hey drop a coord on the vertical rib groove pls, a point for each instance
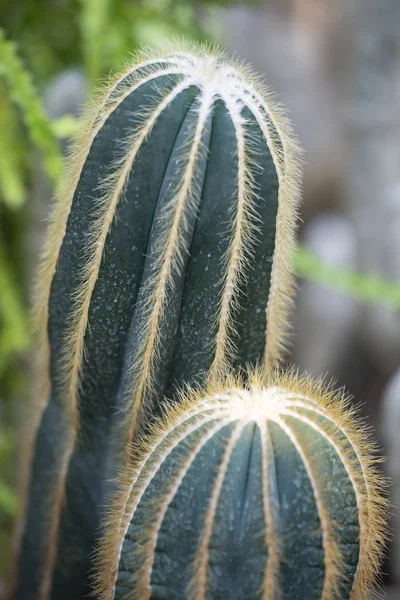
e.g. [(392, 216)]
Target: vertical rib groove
[(332, 557), (236, 252), (168, 262), (271, 588), (284, 153), (198, 586), (144, 589)]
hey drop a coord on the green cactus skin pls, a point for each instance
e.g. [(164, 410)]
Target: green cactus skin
[(268, 491), (167, 262)]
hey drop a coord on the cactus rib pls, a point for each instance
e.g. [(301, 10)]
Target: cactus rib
[(170, 260)]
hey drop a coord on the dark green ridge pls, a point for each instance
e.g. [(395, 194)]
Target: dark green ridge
[(339, 436), (274, 132), (250, 321), (50, 446), (115, 291), (168, 324), (237, 550), (340, 499), (302, 568), (197, 325), (182, 525)]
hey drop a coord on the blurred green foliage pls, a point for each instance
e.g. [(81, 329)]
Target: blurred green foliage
[(366, 288)]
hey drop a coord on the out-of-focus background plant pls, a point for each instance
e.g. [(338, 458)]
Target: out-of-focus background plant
[(336, 65)]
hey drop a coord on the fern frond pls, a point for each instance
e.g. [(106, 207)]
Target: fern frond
[(12, 189), (25, 96)]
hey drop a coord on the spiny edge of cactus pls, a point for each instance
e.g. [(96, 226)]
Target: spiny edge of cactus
[(281, 277), (218, 399)]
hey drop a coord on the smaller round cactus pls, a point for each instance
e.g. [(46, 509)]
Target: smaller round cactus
[(265, 491)]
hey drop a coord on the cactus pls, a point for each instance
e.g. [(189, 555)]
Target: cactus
[(260, 491), (167, 262)]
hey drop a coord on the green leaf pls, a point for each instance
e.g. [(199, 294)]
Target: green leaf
[(14, 334), (65, 126), (366, 288), (12, 189), (24, 94), (8, 500)]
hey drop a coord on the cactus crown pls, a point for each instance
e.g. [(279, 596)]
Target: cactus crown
[(269, 490)]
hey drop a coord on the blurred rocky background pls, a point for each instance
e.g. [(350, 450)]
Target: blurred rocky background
[(336, 65)]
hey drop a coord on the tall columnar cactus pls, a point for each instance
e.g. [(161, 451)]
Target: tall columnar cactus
[(167, 262), (264, 491)]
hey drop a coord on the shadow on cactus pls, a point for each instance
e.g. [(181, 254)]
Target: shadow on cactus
[(168, 264), (265, 490)]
